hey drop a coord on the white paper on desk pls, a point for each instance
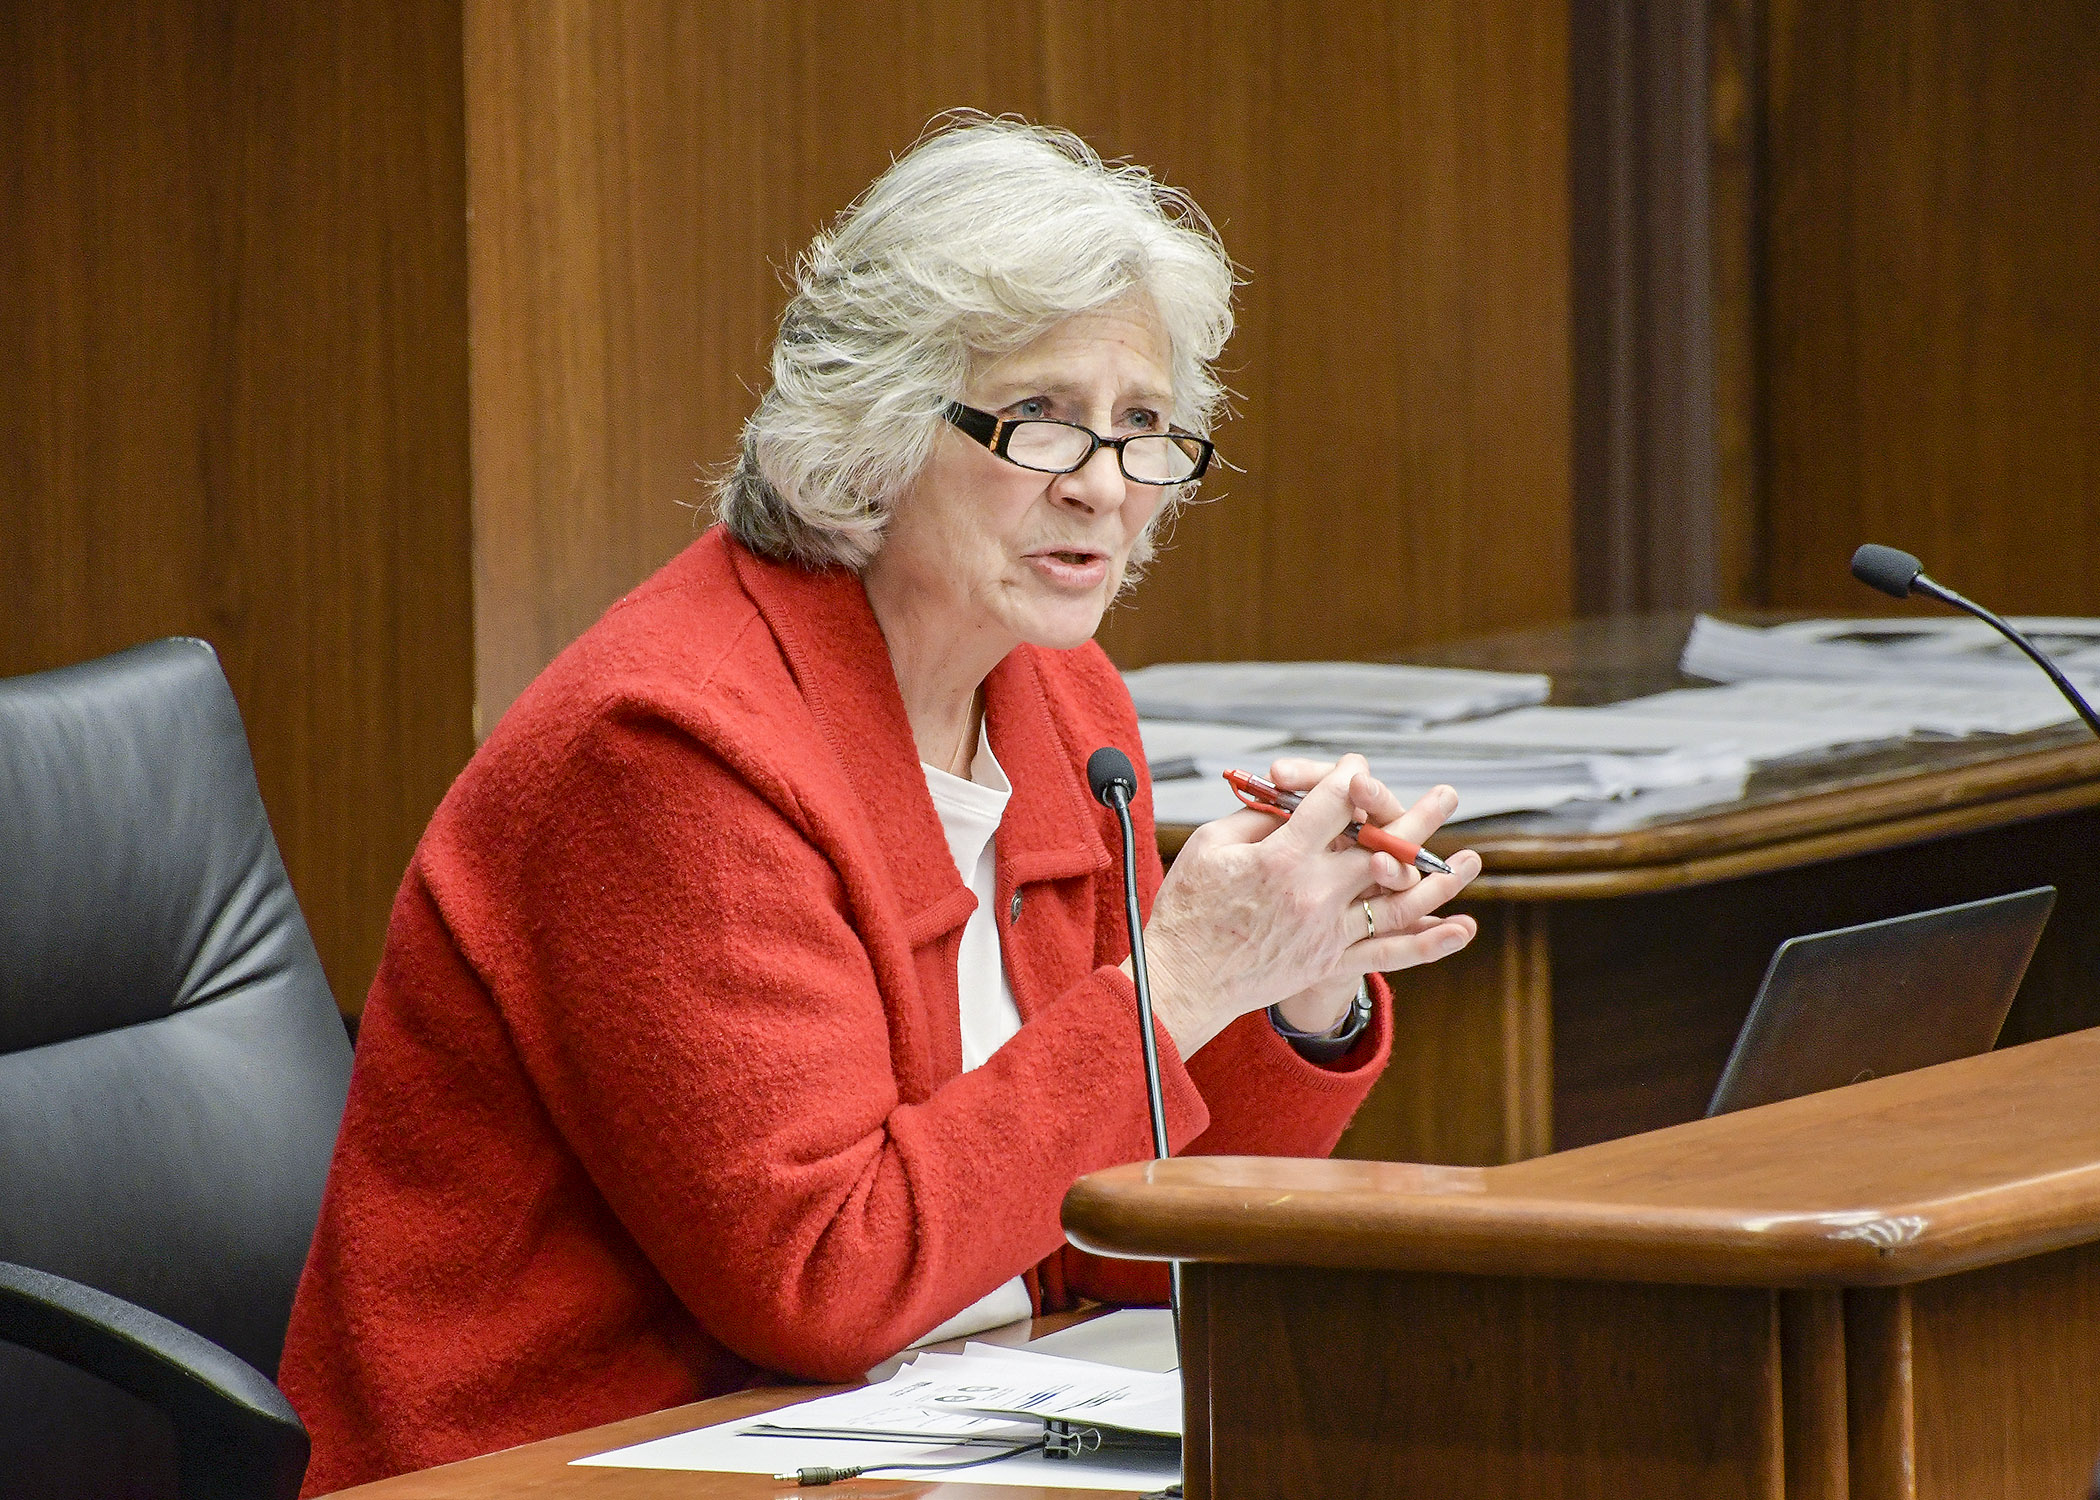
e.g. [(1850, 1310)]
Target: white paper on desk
[(1618, 815), (1411, 765), (1618, 727), (1131, 1338), (2073, 640), (990, 1381), (1872, 711), (1200, 799), (1172, 746), (1924, 653), (1308, 696), (729, 1447)]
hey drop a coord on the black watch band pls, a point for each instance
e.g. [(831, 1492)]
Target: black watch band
[(1328, 1046)]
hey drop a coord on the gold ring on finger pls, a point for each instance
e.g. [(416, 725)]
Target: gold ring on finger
[(1370, 922)]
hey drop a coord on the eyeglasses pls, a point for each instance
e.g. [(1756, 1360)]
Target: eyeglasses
[(1065, 447)]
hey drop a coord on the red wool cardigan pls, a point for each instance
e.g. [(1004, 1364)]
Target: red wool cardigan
[(659, 1086)]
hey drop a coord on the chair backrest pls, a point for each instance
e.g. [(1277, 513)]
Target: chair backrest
[(172, 1065)]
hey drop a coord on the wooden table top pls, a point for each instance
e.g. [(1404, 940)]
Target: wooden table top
[(1899, 1179), (1810, 808), (542, 1469)]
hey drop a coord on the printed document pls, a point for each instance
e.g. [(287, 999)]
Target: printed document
[(951, 1408)]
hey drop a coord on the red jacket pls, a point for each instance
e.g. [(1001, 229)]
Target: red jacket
[(660, 1082)]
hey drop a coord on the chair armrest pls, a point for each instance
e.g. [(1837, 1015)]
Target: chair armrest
[(237, 1437)]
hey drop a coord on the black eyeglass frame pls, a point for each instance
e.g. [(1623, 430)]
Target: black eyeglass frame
[(996, 432)]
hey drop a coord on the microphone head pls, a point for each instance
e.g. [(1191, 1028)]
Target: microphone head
[(1107, 769), (1886, 569)]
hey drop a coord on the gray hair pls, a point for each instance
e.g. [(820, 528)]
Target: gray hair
[(983, 236)]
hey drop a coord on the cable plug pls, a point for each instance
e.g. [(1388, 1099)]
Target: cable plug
[(817, 1474)]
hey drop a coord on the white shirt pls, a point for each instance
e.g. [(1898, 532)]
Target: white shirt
[(970, 812)]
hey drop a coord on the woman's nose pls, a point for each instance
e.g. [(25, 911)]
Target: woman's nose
[(1096, 485)]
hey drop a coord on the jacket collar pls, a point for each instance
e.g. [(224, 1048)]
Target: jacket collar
[(836, 653), (1052, 826)]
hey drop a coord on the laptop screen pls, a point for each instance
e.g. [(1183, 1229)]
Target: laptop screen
[(1885, 997)]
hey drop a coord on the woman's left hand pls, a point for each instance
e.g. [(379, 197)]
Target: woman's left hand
[(1397, 903)]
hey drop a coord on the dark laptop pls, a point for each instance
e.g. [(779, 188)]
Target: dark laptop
[(1885, 997)]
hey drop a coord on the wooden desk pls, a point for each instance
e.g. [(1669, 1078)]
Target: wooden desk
[(1888, 1292), (542, 1469), (1615, 964)]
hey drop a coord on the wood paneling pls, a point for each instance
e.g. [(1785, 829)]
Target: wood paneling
[(1392, 177), (1197, 1320), (1439, 1387), (1735, 209), (1812, 1385), (1471, 1079), (1644, 348), (1880, 1395), (1931, 323), (233, 404), (2002, 1368)]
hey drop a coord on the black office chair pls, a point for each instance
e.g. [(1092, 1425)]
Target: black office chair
[(172, 1073)]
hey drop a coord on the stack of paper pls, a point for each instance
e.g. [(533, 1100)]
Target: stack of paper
[(1804, 688), (1853, 713), (2072, 640), (951, 1408), (1953, 653), (1176, 747), (1320, 697), (1491, 778), (1628, 728)]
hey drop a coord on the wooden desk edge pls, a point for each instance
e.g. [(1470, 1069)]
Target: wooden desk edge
[(1836, 843), (1899, 1179), (1116, 1214)]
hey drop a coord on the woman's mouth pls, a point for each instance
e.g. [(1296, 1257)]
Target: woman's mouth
[(1075, 568)]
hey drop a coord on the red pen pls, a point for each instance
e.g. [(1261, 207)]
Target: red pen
[(1266, 796)]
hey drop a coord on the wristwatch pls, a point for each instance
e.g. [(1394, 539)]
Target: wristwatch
[(1332, 1045)]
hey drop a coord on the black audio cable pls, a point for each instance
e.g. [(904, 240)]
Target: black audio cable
[(817, 1474)]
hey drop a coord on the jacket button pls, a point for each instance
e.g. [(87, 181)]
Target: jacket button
[(1013, 908)]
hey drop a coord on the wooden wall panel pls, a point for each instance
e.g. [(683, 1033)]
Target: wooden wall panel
[(1735, 208), (1931, 323), (1393, 179), (1647, 524), (1334, 1383), (233, 400), (2002, 1363)]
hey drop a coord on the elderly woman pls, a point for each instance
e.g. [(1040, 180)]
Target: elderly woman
[(762, 984)]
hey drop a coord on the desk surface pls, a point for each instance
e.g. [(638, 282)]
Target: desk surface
[(542, 1469), (1809, 809), (1970, 1163)]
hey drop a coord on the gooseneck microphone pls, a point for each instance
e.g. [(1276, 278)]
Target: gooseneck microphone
[(1114, 782), (1899, 575)]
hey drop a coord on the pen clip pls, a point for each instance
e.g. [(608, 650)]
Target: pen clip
[(1260, 794), (1266, 796)]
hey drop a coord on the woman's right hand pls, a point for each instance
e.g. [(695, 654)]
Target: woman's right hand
[(1257, 910)]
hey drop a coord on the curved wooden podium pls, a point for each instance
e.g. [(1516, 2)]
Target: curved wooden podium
[(1889, 1291)]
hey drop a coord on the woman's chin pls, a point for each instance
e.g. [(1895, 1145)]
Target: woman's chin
[(1071, 623)]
